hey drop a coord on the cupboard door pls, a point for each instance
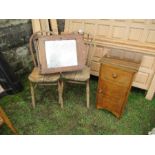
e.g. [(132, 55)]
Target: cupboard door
[(111, 96)]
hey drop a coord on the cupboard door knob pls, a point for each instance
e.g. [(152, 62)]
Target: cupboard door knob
[(114, 75), (100, 91)]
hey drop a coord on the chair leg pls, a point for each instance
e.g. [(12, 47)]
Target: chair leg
[(7, 121), (32, 94), (60, 92), (62, 88), (87, 93)]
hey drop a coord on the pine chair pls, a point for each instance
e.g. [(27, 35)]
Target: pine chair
[(35, 77), (4, 118), (80, 77)]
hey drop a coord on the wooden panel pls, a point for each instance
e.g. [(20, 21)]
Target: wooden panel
[(151, 36), (54, 25), (95, 66), (138, 31), (151, 90), (141, 78), (103, 30), (146, 71), (139, 20), (74, 26), (44, 24), (135, 34), (118, 32), (153, 21), (36, 25), (89, 28), (120, 20), (98, 52), (148, 62), (95, 73)]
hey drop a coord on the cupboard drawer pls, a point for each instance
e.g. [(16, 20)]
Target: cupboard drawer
[(115, 74)]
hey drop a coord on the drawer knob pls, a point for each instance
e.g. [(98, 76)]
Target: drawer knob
[(100, 91), (114, 75)]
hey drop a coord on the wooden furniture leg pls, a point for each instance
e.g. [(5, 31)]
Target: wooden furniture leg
[(59, 95), (62, 87), (87, 93), (60, 92), (151, 90), (7, 121), (32, 94)]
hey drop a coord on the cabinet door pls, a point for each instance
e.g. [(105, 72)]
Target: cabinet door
[(111, 96)]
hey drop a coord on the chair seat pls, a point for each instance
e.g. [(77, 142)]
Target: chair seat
[(82, 75), (35, 76)]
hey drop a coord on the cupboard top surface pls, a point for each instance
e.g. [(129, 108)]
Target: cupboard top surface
[(121, 63)]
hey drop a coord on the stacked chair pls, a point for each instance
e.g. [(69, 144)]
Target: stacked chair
[(43, 27)]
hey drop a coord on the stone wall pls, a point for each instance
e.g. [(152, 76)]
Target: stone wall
[(14, 38)]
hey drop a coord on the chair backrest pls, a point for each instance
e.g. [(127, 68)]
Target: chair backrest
[(40, 27), (45, 25), (33, 45), (88, 45)]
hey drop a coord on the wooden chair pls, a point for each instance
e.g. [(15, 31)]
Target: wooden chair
[(80, 77), (4, 118), (35, 77)]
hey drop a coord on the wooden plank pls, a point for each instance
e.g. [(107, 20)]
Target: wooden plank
[(95, 73), (148, 62), (129, 47), (151, 90), (44, 25), (36, 25), (54, 25), (95, 66)]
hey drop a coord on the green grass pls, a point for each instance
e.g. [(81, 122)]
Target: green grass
[(75, 118)]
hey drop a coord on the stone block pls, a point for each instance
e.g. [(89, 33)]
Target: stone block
[(15, 34)]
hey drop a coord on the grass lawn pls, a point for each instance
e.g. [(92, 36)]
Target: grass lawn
[(48, 118)]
